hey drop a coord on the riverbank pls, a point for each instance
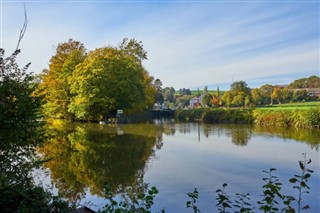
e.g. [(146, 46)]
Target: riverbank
[(295, 117)]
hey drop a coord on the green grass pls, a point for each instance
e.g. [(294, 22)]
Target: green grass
[(195, 92), (292, 106)]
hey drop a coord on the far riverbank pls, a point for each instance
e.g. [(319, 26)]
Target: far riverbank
[(293, 117)]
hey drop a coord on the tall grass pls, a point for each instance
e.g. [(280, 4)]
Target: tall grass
[(309, 118), (300, 117)]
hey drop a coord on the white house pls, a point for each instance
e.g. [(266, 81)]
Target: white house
[(196, 101)]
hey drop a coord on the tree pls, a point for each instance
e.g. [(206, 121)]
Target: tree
[(237, 95), (109, 79), (206, 100), (56, 80), (184, 91), (227, 98), (277, 94), (300, 95), (266, 93), (218, 92), (19, 135), (158, 91), (134, 48), (183, 101), (256, 96), (168, 94), (205, 90), (239, 99), (287, 95), (240, 86), (311, 82), (18, 103), (216, 100)]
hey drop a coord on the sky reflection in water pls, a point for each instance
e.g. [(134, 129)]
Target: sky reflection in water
[(176, 158)]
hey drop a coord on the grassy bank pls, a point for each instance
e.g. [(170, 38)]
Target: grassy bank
[(290, 106), (289, 117)]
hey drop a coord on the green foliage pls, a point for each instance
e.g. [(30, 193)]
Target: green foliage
[(88, 156), (206, 100), (308, 118), (194, 196), (242, 203), (216, 115), (30, 198), (90, 86), (142, 203), (271, 196), (20, 133), (271, 192), (238, 96), (190, 115), (56, 81), (311, 82), (18, 103), (224, 202), (301, 182), (282, 117)]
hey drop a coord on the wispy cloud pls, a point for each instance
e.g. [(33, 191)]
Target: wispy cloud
[(189, 44)]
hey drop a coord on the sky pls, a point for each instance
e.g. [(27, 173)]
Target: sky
[(190, 44)]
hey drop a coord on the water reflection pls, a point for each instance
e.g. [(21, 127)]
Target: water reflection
[(89, 157), (309, 136), (240, 134), (17, 157)]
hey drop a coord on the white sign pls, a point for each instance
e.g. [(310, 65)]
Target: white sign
[(119, 111)]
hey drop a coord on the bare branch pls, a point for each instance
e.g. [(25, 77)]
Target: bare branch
[(21, 35), (24, 27)]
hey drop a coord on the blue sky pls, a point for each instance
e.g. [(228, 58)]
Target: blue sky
[(190, 44)]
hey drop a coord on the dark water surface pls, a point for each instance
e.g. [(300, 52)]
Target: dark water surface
[(176, 158)]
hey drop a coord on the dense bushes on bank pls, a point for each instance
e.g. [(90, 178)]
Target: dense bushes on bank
[(303, 118), (309, 118), (215, 115)]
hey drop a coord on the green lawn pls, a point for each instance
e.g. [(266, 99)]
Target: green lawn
[(290, 106)]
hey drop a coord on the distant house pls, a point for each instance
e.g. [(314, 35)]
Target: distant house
[(196, 101), (311, 91)]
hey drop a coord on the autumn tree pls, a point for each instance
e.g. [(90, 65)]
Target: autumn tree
[(109, 79), (266, 94), (56, 80), (311, 82), (227, 98), (207, 99), (256, 96), (277, 94), (239, 95), (300, 95)]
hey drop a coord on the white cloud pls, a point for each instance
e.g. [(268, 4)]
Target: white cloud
[(188, 44)]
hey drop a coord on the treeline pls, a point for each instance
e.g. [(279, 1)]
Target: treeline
[(90, 85), (241, 95)]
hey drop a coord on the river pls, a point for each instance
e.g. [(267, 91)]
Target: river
[(176, 158)]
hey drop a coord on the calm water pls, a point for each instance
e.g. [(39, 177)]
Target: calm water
[(176, 158)]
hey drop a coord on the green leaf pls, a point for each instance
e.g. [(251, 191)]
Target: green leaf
[(301, 165), (293, 180), (306, 176)]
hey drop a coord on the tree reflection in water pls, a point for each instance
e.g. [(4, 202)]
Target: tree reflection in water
[(94, 157), (113, 159)]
